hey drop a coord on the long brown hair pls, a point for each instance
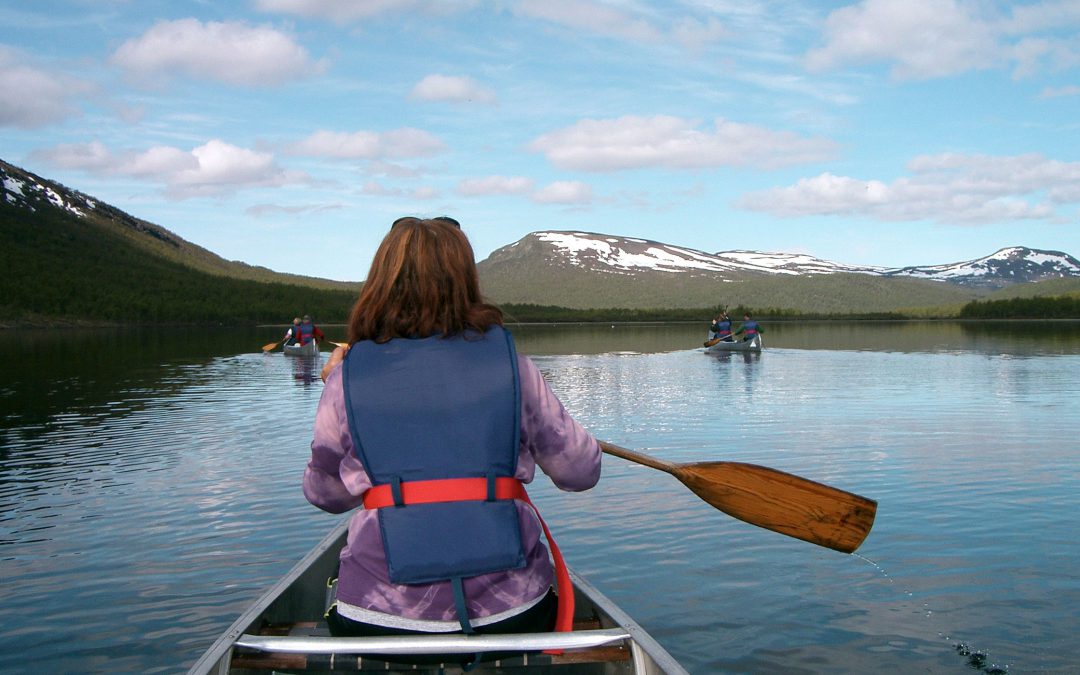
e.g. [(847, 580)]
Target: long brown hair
[(423, 282)]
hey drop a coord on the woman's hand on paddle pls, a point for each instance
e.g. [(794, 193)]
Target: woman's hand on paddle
[(336, 358)]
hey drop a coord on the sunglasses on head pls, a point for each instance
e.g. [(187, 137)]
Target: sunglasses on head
[(442, 219)]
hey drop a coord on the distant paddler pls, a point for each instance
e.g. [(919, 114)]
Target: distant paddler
[(750, 328), (720, 330), (307, 332), (293, 334)]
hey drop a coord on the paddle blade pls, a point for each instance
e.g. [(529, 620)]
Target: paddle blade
[(710, 343), (781, 502), (270, 346)]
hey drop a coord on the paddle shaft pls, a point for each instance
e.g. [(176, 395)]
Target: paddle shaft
[(637, 457), (771, 499)]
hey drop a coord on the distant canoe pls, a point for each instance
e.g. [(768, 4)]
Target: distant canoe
[(285, 631), (310, 349), (752, 345)]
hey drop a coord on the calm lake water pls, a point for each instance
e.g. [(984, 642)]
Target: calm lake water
[(150, 489)]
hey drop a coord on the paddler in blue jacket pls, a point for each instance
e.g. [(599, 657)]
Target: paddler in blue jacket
[(721, 327), (750, 328)]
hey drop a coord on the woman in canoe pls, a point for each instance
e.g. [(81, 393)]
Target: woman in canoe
[(433, 423), (720, 328)]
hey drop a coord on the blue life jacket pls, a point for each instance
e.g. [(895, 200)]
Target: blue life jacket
[(722, 328), (307, 333), (750, 328), (436, 408)]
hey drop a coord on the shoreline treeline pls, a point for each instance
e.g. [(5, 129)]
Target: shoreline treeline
[(1058, 307)]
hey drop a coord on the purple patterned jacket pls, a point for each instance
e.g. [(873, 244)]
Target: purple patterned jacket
[(335, 481)]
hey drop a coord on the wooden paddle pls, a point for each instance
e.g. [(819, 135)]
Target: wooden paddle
[(270, 346), (710, 343), (772, 499)]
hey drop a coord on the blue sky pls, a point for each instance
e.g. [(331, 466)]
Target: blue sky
[(291, 133)]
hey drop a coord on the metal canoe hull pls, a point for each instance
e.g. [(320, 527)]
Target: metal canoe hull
[(301, 596)]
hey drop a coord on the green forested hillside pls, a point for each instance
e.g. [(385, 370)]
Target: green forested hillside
[(1050, 299), (536, 282), (1048, 288), (62, 267)]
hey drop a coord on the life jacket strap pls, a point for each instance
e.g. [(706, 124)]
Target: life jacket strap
[(442, 490), (458, 584), (477, 489)]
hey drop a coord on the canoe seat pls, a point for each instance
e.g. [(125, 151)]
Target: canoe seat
[(308, 647)]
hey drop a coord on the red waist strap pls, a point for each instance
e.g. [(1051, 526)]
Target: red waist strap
[(476, 489), (444, 490)]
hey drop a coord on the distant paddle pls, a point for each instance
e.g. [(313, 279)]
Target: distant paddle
[(270, 346), (772, 499)]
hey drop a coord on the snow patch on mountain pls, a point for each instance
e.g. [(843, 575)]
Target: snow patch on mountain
[(22, 190), (586, 250), (1009, 265), (627, 255), (790, 263)]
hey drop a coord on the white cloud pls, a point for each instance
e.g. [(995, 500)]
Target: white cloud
[(374, 188), (401, 143), (597, 17), (425, 193), (925, 39), (633, 142), (695, 35), (948, 188), (381, 168), (1042, 16), (358, 10), (452, 89), (213, 169), (230, 52), (219, 165), (91, 157), (495, 185), (161, 161), (270, 210), (31, 97), (564, 192), (824, 194), (631, 22)]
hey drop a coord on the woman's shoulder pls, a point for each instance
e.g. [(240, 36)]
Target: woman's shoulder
[(529, 376)]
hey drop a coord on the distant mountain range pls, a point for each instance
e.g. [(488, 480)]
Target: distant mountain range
[(583, 268), (603, 253), (51, 233)]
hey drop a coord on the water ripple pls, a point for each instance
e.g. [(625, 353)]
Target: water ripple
[(136, 523)]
